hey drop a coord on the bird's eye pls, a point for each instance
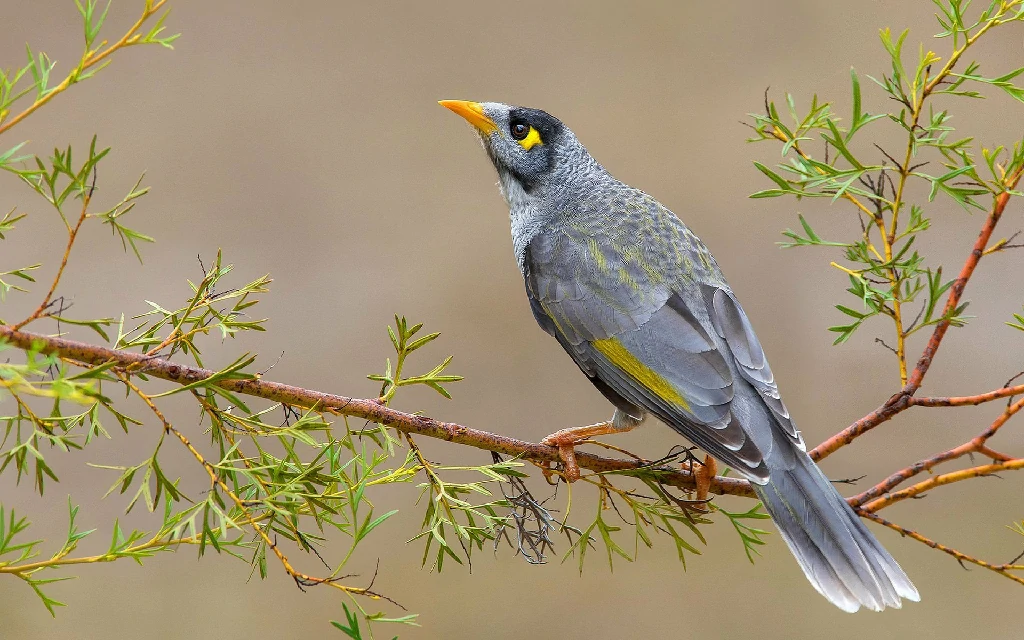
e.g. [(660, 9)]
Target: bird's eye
[(519, 130)]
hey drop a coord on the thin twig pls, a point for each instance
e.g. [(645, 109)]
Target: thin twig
[(1002, 569), (946, 478), (43, 307), (89, 60), (964, 401)]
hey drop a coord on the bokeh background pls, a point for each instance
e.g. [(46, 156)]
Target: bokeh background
[(304, 140)]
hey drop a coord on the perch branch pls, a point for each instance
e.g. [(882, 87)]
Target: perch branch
[(81, 353), (368, 409)]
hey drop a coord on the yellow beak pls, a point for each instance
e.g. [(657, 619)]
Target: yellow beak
[(473, 112)]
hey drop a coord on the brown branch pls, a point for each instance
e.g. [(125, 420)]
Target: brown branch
[(974, 445), (906, 473), (967, 401), (993, 454), (894, 405), (957, 290), (372, 410), (368, 409), (946, 478)]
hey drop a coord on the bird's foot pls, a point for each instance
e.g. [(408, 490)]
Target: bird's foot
[(703, 473), (566, 441)]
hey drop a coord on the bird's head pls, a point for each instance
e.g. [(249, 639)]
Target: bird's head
[(530, 148)]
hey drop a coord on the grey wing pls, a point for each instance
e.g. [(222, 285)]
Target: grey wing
[(677, 348), (642, 342), (732, 325)]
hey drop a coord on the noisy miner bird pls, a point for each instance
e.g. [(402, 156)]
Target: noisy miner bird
[(641, 306)]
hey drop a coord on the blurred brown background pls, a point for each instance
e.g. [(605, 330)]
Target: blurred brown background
[(304, 139)]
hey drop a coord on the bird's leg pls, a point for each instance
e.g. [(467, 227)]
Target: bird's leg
[(567, 439)]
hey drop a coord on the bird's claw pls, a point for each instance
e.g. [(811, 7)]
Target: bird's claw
[(703, 473), (566, 441), (567, 452)]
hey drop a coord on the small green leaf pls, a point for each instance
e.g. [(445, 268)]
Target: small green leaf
[(776, 178), (351, 625)]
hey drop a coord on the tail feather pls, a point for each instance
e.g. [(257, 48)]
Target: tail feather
[(897, 577), (819, 572), (839, 556)]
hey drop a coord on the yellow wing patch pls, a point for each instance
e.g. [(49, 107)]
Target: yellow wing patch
[(531, 140), (619, 356)]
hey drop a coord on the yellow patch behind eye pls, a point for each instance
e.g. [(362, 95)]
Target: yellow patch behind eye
[(531, 140), (650, 379)]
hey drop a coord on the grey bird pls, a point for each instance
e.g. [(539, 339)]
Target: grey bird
[(640, 305)]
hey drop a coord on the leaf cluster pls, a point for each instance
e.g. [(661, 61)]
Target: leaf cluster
[(884, 264)]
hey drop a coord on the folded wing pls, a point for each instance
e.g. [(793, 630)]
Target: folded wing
[(644, 342)]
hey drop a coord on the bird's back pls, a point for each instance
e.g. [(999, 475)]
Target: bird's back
[(628, 223)]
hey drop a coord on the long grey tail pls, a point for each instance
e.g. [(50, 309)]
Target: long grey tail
[(840, 557)]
